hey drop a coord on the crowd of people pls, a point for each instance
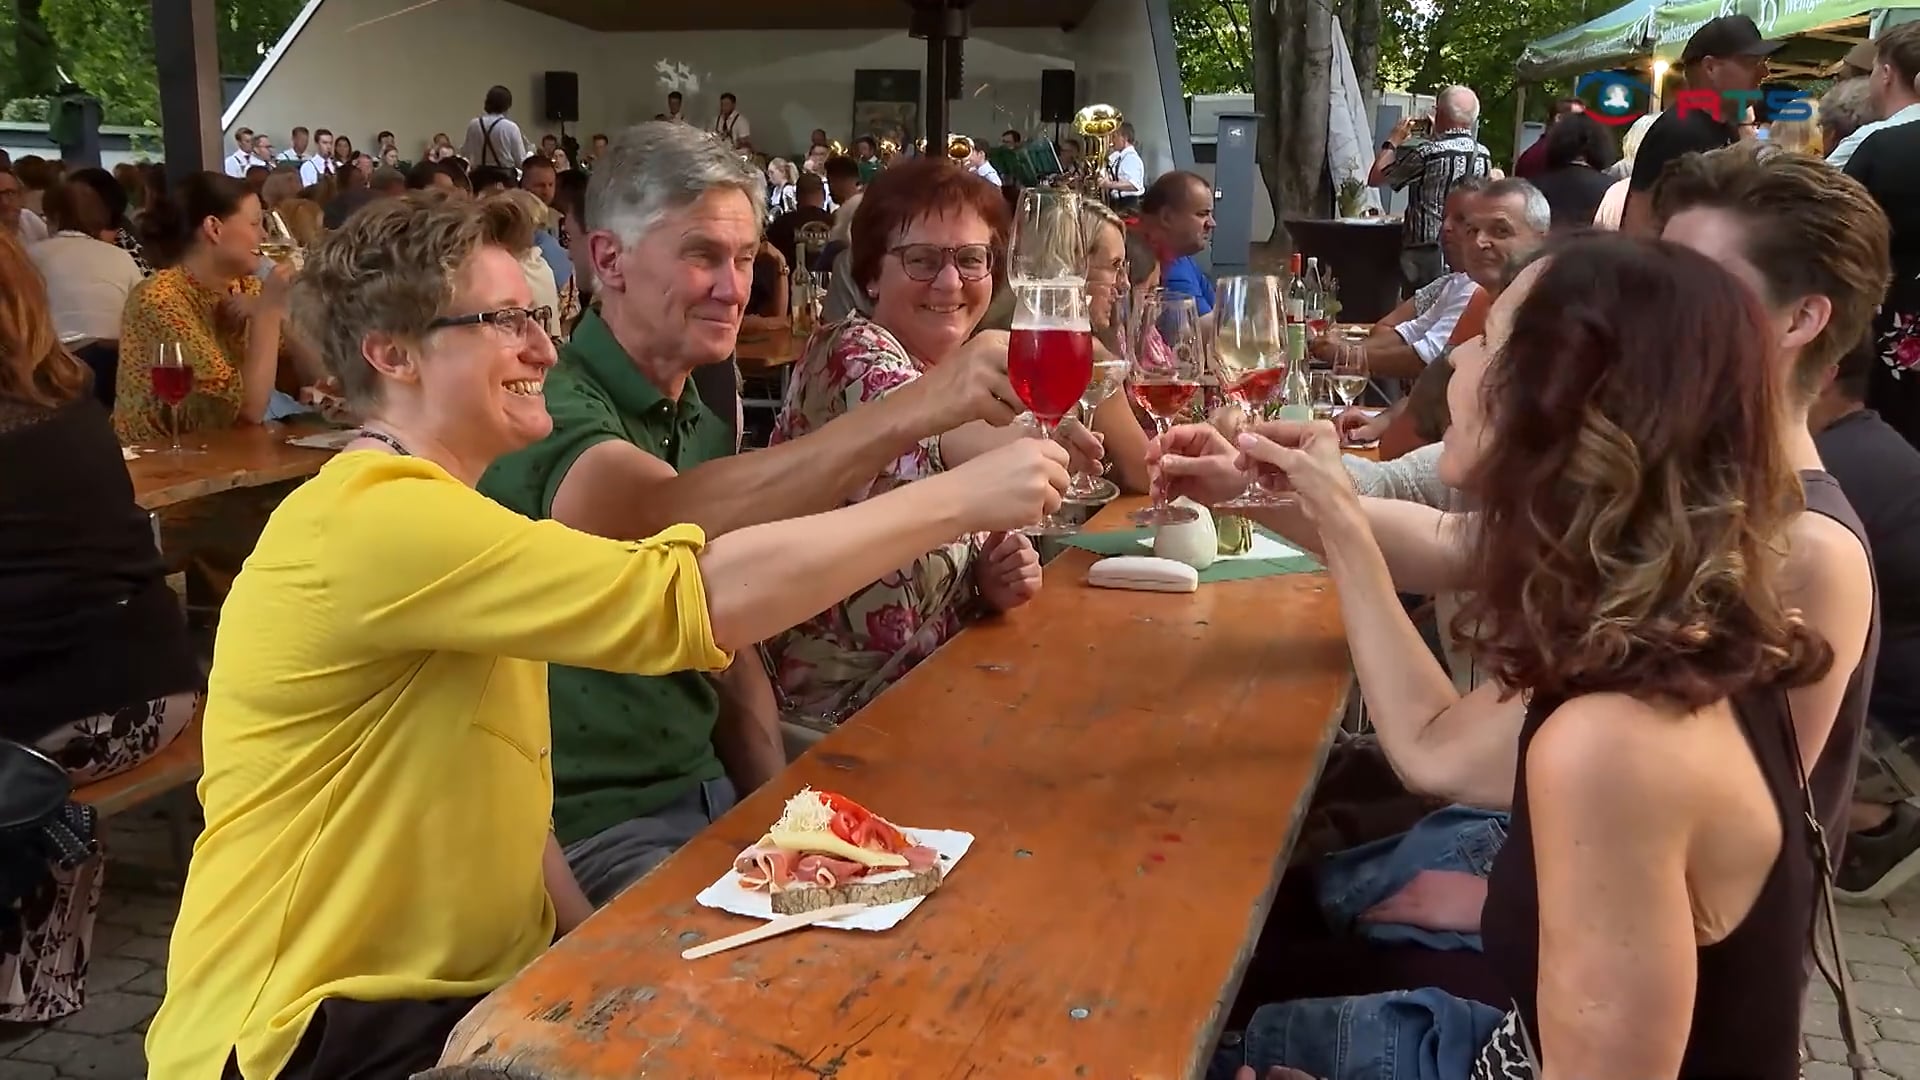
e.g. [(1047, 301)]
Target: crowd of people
[(541, 622)]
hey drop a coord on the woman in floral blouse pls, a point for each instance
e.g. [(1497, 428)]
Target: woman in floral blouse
[(929, 244), (207, 299)]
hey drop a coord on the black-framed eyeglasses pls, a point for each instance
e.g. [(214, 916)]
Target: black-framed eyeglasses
[(923, 262), (509, 320)]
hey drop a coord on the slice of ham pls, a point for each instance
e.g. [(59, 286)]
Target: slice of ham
[(919, 857), (766, 868)]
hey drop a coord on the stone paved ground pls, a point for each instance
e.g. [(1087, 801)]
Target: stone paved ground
[(103, 1041)]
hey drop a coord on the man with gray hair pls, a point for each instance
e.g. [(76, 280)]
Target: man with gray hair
[(641, 764), (1845, 108), (1429, 168)]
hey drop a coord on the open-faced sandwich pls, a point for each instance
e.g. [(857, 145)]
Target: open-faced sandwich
[(827, 849)]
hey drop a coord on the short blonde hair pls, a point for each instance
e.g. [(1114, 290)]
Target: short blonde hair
[(1800, 136), (390, 269), (532, 212)]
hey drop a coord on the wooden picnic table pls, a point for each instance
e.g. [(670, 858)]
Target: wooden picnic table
[(251, 455), (1133, 766)]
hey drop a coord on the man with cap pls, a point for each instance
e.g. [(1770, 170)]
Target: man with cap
[(1890, 84), (1725, 55), (1858, 63)]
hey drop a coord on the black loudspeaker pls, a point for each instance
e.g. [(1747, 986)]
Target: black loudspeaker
[(1056, 96), (563, 96), (956, 69)]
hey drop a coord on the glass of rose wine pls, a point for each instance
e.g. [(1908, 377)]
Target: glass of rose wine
[(1169, 358), (1050, 363), (172, 382), (1250, 351)]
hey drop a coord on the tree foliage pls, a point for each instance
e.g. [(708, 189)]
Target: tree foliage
[(107, 47), (1422, 46)]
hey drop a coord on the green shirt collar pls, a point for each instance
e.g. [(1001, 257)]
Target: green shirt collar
[(595, 348)]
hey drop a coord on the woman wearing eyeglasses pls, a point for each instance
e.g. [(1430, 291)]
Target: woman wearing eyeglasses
[(929, 244), (379, 786)]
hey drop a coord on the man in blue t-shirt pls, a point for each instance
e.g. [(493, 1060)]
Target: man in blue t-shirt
[(1176, 214)]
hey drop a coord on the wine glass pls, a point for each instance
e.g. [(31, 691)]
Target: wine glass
[(1050, 363), (1047, 245), (279, 244), (1349, 375), (1110, 311), (172, 382), (1168, 361), (1250, 351), (1050, 349)]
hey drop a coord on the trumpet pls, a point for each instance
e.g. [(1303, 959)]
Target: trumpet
[(888, 148), (959, 149), (837, 148)]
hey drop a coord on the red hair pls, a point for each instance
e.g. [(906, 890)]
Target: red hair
[(923, 187), (34, 366)]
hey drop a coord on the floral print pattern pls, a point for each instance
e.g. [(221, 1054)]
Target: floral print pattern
[(171, 306), (836, 662), (1900, 344)]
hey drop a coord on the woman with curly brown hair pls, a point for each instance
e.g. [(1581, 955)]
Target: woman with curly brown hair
[(1650, 911)]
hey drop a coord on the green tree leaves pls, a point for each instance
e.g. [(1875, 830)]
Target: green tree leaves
[(107, 46)]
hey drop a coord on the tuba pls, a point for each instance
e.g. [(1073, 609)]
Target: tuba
[(1093, 124), (959, 149)]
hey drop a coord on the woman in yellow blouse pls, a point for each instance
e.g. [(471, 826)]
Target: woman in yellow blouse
[(208, 300), (378, 792)]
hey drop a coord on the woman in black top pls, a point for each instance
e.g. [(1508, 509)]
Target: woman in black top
[(1650, 911), (96, 669), (1580, 150)]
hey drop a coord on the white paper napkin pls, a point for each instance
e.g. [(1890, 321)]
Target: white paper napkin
[(128, 454), (727, 894)]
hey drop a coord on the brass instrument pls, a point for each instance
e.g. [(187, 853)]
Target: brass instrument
[(1094, 123), (959, 149), (888, 149), (837, 148)]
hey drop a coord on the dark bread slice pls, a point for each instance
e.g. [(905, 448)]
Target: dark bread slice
[(896, 886)]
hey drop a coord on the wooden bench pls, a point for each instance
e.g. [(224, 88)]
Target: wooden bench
[(173, 768)]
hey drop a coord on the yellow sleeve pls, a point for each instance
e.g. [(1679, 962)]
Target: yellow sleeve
[(414, 560)]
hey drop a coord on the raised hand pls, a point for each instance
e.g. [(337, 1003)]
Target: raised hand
[(970, 384), (1195, 461), (1302, 457), (1013, 486)]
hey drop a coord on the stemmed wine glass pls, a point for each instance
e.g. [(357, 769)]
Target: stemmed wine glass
[(172, 382), (1349, 375), (1050, 349), (1250, 347), (279, 244), (1168, 361), (1110, 311)]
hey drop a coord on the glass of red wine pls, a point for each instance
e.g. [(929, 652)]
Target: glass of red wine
[(1250, 351), (1169, 359), (172, 382)]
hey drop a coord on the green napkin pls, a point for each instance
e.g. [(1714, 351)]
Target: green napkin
[(1127, 542)]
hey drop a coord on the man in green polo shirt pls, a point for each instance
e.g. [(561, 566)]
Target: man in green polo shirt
[(641, 764)]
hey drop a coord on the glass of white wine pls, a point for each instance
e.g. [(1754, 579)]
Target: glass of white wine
[(1111, 309), (1349, 375), (1250, 351), (279, 245)]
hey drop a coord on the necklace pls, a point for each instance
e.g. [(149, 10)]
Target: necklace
[(383, 437)]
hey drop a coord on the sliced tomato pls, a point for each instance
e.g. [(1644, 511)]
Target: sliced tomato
[(861, 827)]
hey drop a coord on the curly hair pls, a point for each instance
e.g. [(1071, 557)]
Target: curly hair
[(391, 269), (1634, 489)]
